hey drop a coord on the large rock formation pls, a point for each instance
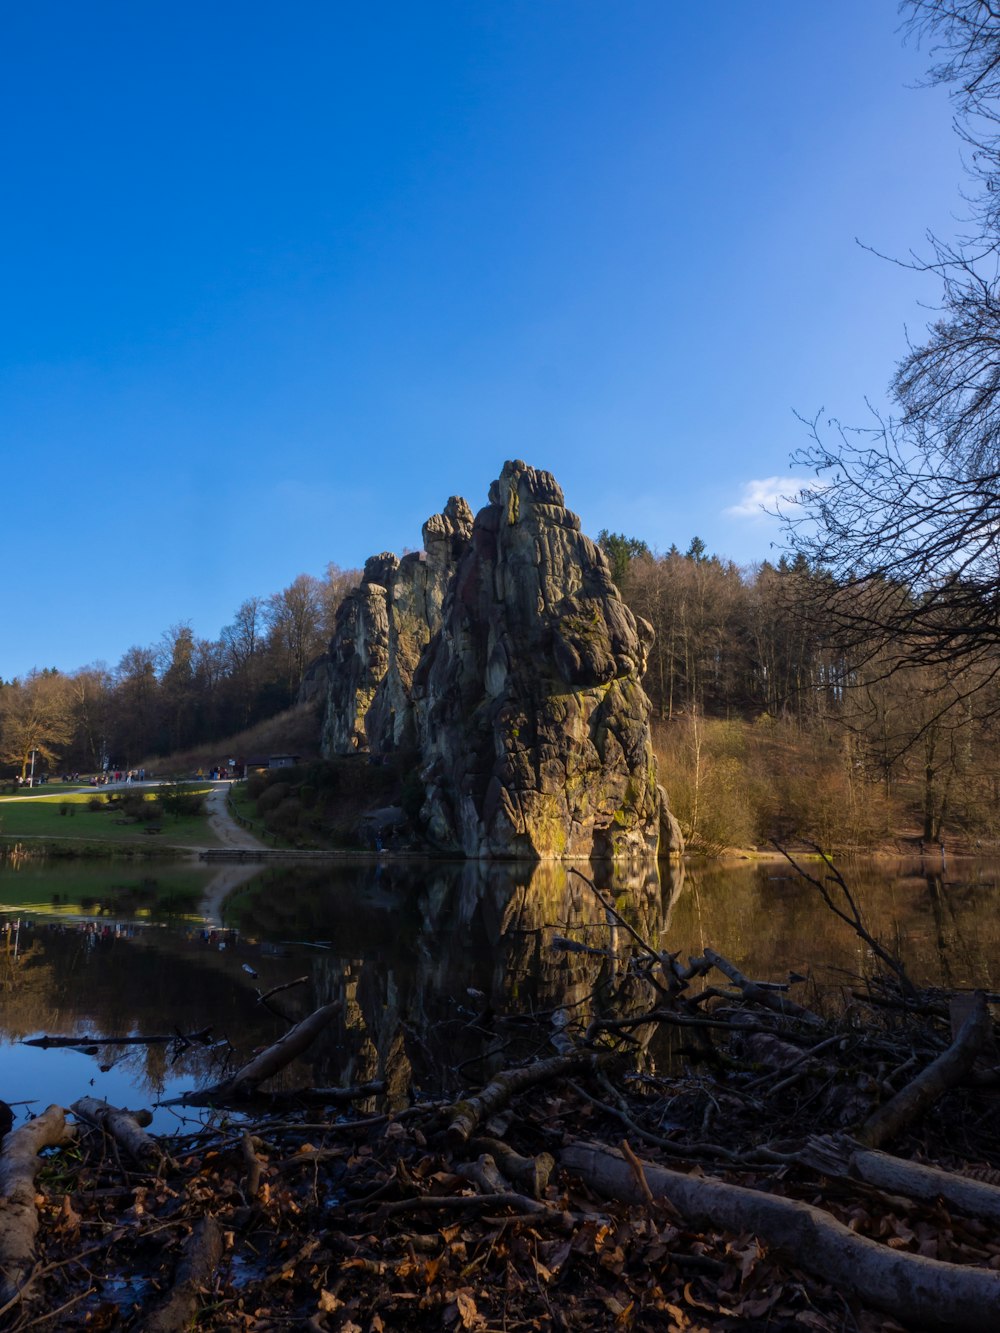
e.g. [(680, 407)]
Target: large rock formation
[(505, 662)]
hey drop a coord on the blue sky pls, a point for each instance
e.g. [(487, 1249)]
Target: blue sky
[(278, 280)]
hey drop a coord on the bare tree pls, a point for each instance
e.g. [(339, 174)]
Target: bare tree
[(906, 513)]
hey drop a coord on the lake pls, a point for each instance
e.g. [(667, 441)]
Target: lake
[(446, 972)]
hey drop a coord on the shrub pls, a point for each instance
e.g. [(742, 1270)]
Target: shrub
[(284, 819), (177, 800), (272, 796)]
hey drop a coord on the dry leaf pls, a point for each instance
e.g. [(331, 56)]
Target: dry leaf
[(467, 1311)]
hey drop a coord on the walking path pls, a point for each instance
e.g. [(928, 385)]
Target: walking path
[(224, 826), (230, 835)]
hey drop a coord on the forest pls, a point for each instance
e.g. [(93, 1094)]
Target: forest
[(764, 726)]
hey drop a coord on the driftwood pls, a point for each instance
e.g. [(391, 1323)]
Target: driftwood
[(125, 1127), (531, 1173), (19, 1165), (468, 1114), (265, 1065), (840, 1155), (194, 1276), (943, 1073), (189, 1039), (924, 1292), (765, 996)]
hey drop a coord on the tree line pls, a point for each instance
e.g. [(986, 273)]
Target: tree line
[(180, 692), (772, 721)]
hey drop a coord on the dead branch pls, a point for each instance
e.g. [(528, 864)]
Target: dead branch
[(840, 1155), (852, 915), (466, 1115), (254, 1165), (195, 1276), (266, 1064), (948, 1069), (762, 995), (531, 1173), (925, 1292), (125, 1127), (189, 1039)]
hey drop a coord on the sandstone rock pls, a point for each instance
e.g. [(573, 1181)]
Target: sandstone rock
[(532, 725), (503, 660)]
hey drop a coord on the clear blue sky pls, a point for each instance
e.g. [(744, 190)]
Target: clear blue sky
[(279, 279)]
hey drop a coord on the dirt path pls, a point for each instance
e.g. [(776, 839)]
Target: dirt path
[(223, 825), (230, 834)]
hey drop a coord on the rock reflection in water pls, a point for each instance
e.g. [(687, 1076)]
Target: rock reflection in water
[(448, 972)]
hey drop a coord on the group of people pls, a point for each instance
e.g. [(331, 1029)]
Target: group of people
[(112, 776)]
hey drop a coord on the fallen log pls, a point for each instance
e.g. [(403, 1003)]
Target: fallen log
[(125, 1127), (194, 1276), (19, 1164), (843, 1156), (943, 1073), (265, 1065), (925, 1292)]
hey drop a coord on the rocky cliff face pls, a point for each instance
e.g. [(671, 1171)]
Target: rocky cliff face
[(503, 658), (358, 657), (415, 597)]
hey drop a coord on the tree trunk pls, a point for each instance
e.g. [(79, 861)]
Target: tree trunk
[(924, 1292)]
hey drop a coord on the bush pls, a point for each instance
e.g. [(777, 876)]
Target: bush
[(177, 800), (284, 819), (272, 796)]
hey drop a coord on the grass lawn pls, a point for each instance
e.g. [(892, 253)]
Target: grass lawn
[(66, 816)]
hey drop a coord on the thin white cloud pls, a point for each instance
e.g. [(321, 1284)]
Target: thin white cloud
[(761, 498)]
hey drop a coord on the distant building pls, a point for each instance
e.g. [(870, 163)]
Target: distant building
[(282, 760)]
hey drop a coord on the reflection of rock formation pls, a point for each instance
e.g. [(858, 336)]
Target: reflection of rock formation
[(472, 981), (504, 658)]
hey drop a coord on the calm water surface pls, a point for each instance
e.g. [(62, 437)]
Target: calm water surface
[(446, 972)]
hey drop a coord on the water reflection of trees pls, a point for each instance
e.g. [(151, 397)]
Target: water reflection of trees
[(944, 925), (156, 981)]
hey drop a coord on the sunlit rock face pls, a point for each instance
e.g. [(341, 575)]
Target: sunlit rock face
[(503, 659), (532, 724)]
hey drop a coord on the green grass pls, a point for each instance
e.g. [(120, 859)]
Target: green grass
[(67, 817)]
